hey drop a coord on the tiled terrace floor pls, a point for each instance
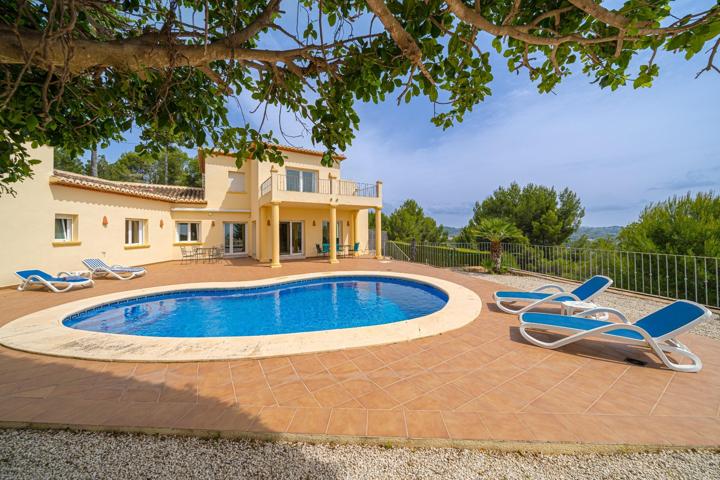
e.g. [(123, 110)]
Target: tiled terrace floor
[(482, 382)]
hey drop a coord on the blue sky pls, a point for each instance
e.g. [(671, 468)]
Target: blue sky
[(618, 150)]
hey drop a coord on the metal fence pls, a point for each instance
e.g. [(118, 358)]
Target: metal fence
[(664, 275)]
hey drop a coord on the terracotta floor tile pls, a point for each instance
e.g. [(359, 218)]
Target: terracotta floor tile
[(259, 395), (506, 426), (180, 395), (331, 359), (425, 425), (548, 427), (236, 419), (307, 365), (377, 399), (332, 396), (273, 419), (319, 381), (288, 391), (281, 375), (348, 421), (682, 404), (274, 363), (447, 397), (145, 394), (404, 390), (384, 376), (465, 425), (368, 362), (310, 420), (345, 371), (359, 386), (208, 395), (386, 423)]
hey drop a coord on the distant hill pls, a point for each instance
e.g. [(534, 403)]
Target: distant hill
[(593, 233), (452, 231)]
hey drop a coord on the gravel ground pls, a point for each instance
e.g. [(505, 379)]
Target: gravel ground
[(34, 454), (633, 307)]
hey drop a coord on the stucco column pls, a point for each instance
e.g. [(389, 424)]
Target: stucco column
[(275, 214), (378, 233), (333, 235), (355, 230)]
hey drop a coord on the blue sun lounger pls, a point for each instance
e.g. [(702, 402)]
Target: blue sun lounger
[(101, 269), (657, 330), (58, 284), (584, 293)]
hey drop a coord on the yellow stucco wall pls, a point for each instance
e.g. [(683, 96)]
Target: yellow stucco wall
[(27, 236)]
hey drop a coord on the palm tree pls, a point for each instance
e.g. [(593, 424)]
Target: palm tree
[(497, 230)]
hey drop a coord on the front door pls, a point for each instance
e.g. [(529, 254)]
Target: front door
[(291, 238), (235, 238)]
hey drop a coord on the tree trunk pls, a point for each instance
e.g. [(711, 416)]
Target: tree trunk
[(93, 163), (496, 254), (166, 167)]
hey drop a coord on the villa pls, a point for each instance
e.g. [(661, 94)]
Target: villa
[(264, 211)]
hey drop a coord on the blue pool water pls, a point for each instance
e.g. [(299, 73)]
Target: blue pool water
[(302, 306)]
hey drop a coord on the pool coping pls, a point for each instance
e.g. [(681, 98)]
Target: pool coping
[(43, 332)]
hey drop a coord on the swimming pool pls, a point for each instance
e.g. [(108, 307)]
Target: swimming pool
[(312, 309), (301, 306)]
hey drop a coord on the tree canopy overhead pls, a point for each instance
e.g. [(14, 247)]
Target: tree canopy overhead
[(79, 73)]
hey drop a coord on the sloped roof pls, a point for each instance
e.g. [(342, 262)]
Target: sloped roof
[(166, 193)]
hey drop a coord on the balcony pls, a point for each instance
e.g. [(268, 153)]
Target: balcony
[(281, 188)]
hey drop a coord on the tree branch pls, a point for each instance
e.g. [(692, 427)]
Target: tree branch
[(402, 38)]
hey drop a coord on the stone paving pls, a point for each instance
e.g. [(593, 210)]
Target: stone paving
[(482, 382)]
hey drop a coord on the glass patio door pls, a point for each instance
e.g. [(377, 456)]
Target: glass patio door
[(326, 232), (235, 238), (291, 238)]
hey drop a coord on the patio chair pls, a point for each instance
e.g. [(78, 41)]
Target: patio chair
[(188, 253), (356, 248), (657, 330), (58, 284), (101, 269), (584, 293), (326, 249), (318, 250)]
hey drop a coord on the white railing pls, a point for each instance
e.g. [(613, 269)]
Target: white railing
[(664, 275), (326, 186)]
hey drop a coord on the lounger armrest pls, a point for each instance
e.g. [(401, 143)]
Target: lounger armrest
[(549, 286), (63, 274), (612, 311)]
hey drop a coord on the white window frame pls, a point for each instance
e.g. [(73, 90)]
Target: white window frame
[(142, 233), (301, 181), (69, 229), (189, 232), (234, 181)]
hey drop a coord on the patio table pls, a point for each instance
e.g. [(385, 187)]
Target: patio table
[(205, 253)]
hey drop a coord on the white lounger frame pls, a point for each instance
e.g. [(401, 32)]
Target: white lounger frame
[(35, 280), (104, 272), (550, 299), (660, 345)]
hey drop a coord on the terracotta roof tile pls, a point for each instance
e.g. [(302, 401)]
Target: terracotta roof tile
[(167, 193)]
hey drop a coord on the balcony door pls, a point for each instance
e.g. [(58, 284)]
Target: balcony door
[(291, 238), (235, 238), (301, 180)]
